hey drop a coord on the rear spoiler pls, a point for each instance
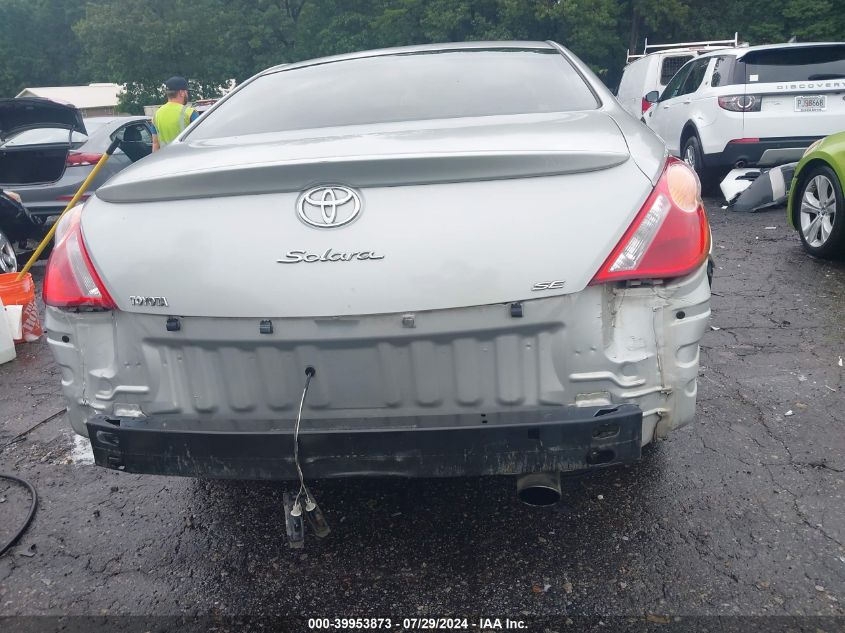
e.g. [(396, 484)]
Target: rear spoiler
[(359, 171), (750, 55)]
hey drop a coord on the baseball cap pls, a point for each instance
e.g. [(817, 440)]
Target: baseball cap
[(176, 83)]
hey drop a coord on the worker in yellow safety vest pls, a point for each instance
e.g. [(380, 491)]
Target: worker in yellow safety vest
[(174, 116)]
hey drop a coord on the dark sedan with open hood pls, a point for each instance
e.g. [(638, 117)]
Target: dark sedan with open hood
[(28, 164)]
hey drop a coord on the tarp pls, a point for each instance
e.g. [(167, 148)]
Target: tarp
[(751, 190)]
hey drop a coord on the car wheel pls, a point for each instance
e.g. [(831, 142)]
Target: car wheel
[(693, 156), (820, 216), (8, 259)]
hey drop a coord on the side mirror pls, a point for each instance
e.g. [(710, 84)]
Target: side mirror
[(652, 96)]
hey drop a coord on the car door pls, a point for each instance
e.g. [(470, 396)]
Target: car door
[(682, 110), (658, 117), (136, 143), (137, 140)]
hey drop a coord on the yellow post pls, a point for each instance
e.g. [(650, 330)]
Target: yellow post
[(69, 206)]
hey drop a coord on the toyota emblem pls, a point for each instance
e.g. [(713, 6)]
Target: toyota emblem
[(328, 206)]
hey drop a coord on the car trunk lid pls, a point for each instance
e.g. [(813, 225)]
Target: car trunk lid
[(28, 163), (450, 215)]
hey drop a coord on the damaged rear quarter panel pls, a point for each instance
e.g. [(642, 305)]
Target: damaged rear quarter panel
[(667, 321)]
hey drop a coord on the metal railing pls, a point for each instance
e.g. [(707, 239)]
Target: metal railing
[(682, 46)]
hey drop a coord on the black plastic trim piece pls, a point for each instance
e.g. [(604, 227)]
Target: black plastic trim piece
[(504, 443)]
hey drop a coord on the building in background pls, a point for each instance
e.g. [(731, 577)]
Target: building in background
[(92, 100)]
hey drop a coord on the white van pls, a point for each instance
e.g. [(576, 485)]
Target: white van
[(655, 68)]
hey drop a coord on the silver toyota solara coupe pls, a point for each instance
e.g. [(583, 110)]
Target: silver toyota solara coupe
[(458, 259)]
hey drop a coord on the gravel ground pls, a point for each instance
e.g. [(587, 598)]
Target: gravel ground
[(738, 514)]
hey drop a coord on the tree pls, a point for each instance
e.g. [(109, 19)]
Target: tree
[(38, 47), (210, 42), (140, 44)]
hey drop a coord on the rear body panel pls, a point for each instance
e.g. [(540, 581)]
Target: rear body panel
[(802, 88), (717, 127), (602, 346), (763, 152), (780, 113)]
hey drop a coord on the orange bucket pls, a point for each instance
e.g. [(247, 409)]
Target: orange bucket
[(21, 293)]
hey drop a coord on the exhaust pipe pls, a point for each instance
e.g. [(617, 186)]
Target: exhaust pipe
[(538, 489)]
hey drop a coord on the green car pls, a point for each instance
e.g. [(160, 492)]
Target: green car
[(816, 206)]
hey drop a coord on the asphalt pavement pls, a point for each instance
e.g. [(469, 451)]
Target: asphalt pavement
[(739, 515)]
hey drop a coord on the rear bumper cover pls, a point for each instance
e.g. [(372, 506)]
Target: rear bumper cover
[(765, 152), (541, 439)]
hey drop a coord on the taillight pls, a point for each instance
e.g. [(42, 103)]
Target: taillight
[(646, 104), (741, 103), (70, 280), (670, 236), (81, 159)]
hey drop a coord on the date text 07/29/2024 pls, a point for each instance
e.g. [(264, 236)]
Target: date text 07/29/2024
[(430, 624)]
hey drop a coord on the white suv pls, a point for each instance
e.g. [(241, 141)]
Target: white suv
[(760, 105), (655, 67)]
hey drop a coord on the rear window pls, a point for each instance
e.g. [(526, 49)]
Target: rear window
[(723, 71), (812, 63), (672, 65), (92, 125), (417, 86)]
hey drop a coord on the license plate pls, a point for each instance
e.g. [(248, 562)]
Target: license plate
[(811, 104)]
